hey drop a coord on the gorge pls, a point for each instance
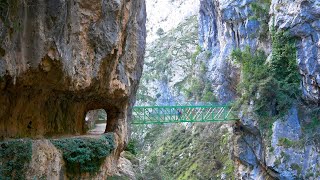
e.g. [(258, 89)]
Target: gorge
[(59, 60)]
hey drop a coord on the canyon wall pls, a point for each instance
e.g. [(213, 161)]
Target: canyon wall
[(289, 148), (60, 59)]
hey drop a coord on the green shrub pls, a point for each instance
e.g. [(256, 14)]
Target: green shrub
[(131, 147), (195, 54), (209, 97), (273, 86), (285, 142), (260, 12), (15, 155), (296, 166), (85, 154), (284, 70), (160, 32), (254, 75)]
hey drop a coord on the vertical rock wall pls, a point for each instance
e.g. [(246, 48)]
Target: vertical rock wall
[(301, 19), (226, 25), (60, 59)]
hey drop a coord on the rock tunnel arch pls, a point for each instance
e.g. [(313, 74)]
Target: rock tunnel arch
[(102, 120), (96, 121)]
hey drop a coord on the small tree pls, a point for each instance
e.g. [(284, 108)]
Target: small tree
[(160, 32)]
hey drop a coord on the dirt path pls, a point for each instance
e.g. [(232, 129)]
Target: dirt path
[(99, 129)]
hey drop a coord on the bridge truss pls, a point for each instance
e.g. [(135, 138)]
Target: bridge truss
[(178, 114)]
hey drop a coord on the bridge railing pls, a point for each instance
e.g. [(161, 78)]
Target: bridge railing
[(186, 113)]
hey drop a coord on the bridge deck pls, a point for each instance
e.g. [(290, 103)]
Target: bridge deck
[(177, 114)]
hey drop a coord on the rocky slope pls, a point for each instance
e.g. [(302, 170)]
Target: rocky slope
[(167, 14), (184, 151), (169, 51), (166, 61), (60, 59)]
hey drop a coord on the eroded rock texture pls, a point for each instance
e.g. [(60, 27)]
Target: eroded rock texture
[(60, 59), (47, 163), (224, 26), (287, 152), (301, 19)]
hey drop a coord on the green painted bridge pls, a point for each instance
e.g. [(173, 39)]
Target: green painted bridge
[(178, 114)]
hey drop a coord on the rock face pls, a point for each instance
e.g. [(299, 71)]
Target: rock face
[(60, 59), (224, 26), (47, 163), (301, 18), (288, 151)]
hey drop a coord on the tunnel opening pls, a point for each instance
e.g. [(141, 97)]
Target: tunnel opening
[(99, 121), (96, 121)]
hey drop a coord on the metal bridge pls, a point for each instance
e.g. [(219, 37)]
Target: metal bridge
[(178, 114)]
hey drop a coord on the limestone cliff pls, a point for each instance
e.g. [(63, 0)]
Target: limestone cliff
[(59, 59), (224, 26), (289, 149), (301, 18)]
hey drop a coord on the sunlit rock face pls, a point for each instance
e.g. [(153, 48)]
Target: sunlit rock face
[(60, 59)]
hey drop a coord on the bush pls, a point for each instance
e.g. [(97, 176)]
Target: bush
[(160, 32), (285, 142), (260, 12), (131, 147), (15, 155), (273, 87), (284, 70), (254, 76), (85, 154)]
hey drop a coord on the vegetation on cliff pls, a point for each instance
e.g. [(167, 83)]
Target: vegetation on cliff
[(260, 13), (85, 154), (184, 152), (173, 60), (273, 85), (15, 156)]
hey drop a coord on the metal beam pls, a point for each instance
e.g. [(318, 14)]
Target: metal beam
[(189, 113)]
